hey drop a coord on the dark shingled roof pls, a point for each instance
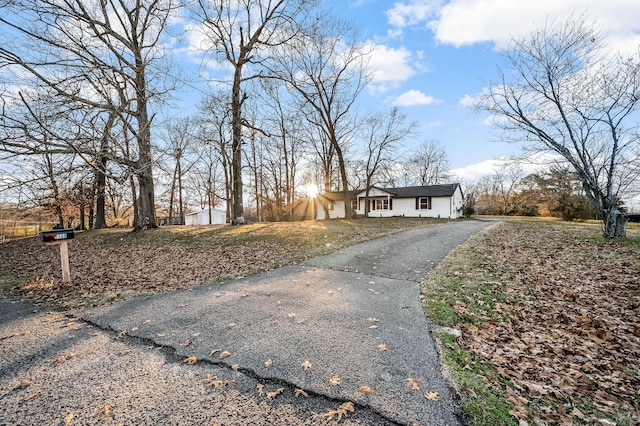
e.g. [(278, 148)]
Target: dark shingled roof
[(423, 191), (335, 196), (407, 192)]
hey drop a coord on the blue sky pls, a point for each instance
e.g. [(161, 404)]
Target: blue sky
[(433, 56)]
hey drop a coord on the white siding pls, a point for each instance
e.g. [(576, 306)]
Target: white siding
[(337, 211), (218, 217), (441, 207)]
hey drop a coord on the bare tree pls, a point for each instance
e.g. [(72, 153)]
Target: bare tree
[(94, 56), (429, 165), (505, 181), (182, 152), (561, 94), (382, 135), (326, 67), (281, 120), (214, 133), (240, 34)]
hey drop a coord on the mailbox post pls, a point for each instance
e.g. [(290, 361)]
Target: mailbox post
[(61, 237)]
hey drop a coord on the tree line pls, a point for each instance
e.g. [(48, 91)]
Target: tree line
[(556, 192), (86, 84)]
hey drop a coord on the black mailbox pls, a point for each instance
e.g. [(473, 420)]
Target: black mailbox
[(57, 235)]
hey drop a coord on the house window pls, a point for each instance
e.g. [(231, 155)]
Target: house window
[(424, 203), (380, 204), (354, 204)]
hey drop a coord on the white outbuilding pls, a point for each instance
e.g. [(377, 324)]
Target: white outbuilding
[(206, 217)]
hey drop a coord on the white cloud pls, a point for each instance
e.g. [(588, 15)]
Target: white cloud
[(463, 22), (476, 171), (413, 12), (412, 98), (532, 164), (390, 67), (468, 101), (395, 33)]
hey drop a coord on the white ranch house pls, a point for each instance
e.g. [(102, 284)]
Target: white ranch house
[(442, 201)]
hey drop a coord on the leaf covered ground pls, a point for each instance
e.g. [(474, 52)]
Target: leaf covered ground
[(549, 312), (116, 264), (550, 321)]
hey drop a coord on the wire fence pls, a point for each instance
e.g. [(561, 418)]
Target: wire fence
[(14, 229)]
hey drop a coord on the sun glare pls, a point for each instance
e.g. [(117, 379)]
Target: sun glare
[(312, 190)]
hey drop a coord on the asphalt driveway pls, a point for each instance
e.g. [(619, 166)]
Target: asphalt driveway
[(347, 327)]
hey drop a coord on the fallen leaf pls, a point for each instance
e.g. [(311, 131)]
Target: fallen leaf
[(275, 393), (334, 380), (291, 315), (260, 388), (373, 327), (106, 411), (34, 395), (373, 320), (413, 383), (432, 396), (186, 343), (231, 325), (228, 383), (345, 408), (268, 363), (120, 335), (195, 334), (212, 380), (299, 392), (306, 365), (225, 354), (125, 351), (182, 305), (382, 347), (367, 390), (161, 335), (235, 367), (191, 360), (68, 419), (214, 351)]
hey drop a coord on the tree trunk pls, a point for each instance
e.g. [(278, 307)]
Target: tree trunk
[(236, 147), (60, 217), (91, 216), (82, 220), (134, 198), (180, 202), (146, 196), (348, 212), (101, 174), (172, 195), (614, 225), (101, 183)]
